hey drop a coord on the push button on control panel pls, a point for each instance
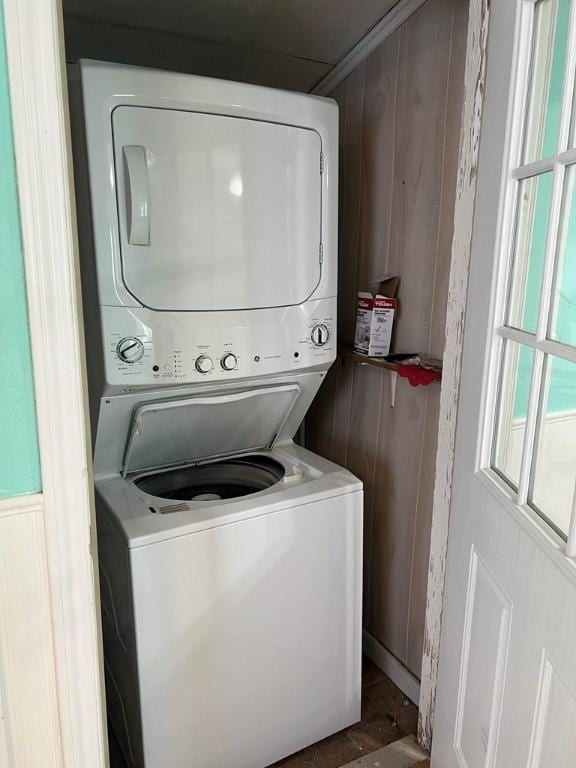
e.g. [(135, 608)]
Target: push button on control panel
[(229, 361), (320, 334), (204, 364)]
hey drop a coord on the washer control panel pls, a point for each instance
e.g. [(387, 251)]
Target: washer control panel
[(147, 348)]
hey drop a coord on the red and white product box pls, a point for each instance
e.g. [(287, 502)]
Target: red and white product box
[(374, 320)]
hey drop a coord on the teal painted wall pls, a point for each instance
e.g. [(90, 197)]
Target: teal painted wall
[(19, 460)]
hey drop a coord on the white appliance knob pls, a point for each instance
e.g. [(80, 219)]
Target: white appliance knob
[(320, 334), (229, 361), (204, 364), (130, 349)]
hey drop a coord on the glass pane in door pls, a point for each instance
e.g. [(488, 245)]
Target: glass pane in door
[(547, 79), (555, 468), (532, 217), (516, 375), (563, 318)]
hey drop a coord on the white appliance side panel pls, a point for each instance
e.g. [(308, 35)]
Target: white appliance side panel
[(249, 637), (262, 342), (118, 635), (216, 212)]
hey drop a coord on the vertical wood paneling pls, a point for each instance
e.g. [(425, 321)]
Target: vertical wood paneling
[(366, 402), (397, 495), (377, 167), (378, 161), (3, 734), (419, 152), (27, 664), (422, 526), (449, 175), (400, 122)]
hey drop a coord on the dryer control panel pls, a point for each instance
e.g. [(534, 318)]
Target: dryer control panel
[(143, 348)]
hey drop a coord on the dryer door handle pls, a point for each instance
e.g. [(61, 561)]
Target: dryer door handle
[(136, 187)]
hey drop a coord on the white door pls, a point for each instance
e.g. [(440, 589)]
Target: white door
[(216, 212), (507, 675)]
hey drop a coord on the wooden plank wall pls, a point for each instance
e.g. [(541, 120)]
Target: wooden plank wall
[(400, 113)]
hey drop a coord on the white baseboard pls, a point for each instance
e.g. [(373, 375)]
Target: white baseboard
[(389, 664)]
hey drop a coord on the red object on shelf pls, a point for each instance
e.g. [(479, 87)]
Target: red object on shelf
[(417, 375)]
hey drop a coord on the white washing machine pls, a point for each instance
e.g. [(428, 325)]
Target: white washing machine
[(231, 558)]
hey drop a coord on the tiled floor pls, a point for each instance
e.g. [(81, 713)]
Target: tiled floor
[(387, 715)]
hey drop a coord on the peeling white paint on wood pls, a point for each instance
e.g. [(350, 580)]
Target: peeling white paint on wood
[(458, 285)]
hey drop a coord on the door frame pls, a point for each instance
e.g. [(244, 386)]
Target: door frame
[(39, 103), (474, 85), (37, 75)]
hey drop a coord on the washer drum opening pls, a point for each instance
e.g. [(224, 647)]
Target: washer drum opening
[(227, 479)]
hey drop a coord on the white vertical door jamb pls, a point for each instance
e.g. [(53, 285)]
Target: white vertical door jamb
[(36, 67), (474, 80)]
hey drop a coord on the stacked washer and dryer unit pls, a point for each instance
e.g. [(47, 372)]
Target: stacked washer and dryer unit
[(230, 557)]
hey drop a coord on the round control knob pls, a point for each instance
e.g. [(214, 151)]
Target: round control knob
[(204, 364), (320, 334), (130, 349), (229, 361)]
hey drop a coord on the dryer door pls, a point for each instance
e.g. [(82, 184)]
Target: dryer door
[(216, 212)]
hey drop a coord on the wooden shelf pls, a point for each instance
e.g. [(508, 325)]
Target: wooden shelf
[(348, 352)]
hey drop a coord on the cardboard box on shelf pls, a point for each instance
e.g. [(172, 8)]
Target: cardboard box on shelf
[(375, 319)]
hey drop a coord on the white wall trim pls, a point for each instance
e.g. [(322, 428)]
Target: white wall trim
[(390, 665), (34, 39), (379, 32), (474, 82), (21, 505)]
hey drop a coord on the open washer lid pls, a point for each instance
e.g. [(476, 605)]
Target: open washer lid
[(168, 432)]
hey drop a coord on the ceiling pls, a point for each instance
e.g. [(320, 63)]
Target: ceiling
[(288, 43)]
